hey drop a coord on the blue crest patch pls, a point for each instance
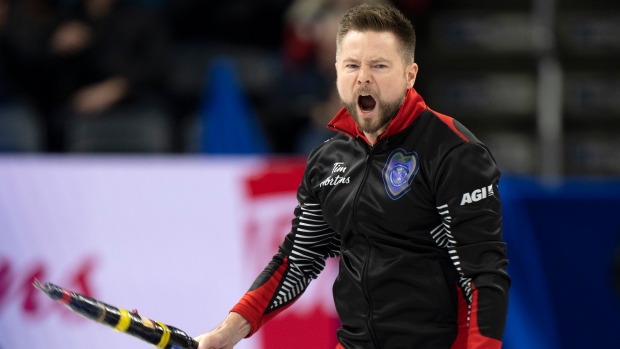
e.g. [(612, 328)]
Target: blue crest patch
[(399, 171)]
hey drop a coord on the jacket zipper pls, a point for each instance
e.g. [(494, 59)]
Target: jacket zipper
[(365, 267)]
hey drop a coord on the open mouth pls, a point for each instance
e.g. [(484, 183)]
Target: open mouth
[(366, 103)]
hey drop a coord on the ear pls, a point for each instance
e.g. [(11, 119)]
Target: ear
[(412, 73)]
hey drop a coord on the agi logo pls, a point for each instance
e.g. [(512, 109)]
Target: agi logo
[(477, 195)]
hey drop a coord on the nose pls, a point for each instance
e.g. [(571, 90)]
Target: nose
[(363, 77)]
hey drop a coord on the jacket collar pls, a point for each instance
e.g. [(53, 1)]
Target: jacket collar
[(412, 107)]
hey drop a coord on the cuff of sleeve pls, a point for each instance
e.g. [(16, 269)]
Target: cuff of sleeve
[(249, 315)]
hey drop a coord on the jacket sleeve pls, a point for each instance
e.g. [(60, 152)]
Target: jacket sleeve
[(301, 257), (469, 204)]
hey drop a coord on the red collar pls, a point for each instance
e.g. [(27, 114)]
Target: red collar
[(412, 107)]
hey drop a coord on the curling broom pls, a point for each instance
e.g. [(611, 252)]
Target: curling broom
[(154, 332)]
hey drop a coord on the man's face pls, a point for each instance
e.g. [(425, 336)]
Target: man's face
[(372, 78)]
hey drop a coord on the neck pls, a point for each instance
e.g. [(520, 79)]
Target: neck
[(372, 137)]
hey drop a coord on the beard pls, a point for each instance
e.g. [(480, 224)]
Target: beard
[(387, 109)]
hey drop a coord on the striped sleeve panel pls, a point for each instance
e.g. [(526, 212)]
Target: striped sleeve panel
[(442, 235), (301, 258), (314, 242), (468, 336)]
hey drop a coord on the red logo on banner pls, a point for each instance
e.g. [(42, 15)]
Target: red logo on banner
[(311, 322), (16, 286)]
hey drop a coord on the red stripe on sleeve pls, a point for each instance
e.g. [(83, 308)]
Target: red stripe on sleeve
[(475, 339), (462, 322), (253, 304)]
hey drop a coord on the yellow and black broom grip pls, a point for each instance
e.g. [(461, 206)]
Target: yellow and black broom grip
[(154, 332)]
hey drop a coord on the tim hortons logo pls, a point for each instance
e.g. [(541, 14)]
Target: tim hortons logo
[(16, 286), (335, 178)]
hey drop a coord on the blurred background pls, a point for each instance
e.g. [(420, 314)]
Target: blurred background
[(538, 81), (192, 113)]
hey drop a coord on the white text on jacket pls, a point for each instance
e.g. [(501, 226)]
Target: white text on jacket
[(477, 195)]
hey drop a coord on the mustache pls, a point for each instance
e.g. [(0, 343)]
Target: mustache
[(364, 91)]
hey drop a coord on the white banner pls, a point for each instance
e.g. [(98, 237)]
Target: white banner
[(163, 235)]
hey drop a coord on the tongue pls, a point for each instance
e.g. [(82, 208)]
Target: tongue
[(367, 103)]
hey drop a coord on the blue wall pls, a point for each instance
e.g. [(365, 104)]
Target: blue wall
[(562, 242)]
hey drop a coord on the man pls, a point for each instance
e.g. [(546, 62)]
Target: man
[(406, 196)]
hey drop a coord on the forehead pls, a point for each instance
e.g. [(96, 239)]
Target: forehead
[(369, 44)]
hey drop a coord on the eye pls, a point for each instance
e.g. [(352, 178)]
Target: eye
[(380, 66), (352, 66)]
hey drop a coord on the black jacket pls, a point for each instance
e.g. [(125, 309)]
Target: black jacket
[(416, 221)]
